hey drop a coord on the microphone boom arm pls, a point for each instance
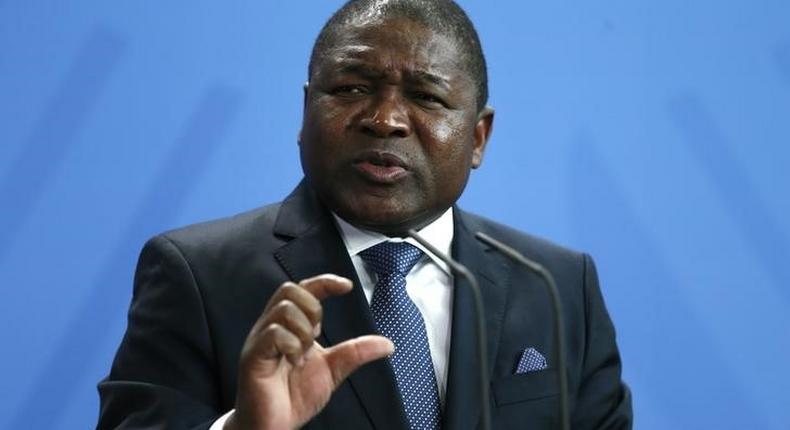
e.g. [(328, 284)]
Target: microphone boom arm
[(460, 269), (559, 326)]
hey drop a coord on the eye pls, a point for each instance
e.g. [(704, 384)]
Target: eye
[(349, 90), (428, 99)]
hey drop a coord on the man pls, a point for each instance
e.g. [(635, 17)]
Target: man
[(268, 320)]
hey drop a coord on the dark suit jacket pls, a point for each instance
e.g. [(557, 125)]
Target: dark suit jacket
[(199, 290)]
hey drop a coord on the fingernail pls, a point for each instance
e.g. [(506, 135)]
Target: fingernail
[(317, 330)]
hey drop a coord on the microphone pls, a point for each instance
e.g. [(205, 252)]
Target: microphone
[(459, 269), (559, 329)]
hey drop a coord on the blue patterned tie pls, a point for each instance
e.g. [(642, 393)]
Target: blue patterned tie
[(398, 318)]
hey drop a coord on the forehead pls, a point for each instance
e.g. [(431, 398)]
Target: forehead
[(395, 45)]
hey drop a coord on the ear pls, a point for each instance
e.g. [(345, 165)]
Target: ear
[(483, 127), (305, 88)]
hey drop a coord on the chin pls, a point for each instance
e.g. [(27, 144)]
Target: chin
[(384, 214), (378, 220), (389, 222)]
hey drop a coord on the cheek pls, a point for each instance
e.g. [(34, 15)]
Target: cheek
[(450, 142), (327, 118), (445, 125), (443, 131), (331, 115)]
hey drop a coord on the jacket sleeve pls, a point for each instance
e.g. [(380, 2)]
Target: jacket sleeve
[(162, 375), (603, 400)]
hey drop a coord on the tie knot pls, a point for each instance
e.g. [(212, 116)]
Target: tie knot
[(392, 257)]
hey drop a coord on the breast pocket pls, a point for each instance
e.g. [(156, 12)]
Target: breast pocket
[(526, 386)]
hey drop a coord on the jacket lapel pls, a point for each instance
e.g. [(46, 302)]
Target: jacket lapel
[(317, 248), (462, 410)]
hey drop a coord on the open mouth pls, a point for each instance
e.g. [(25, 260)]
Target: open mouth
[(381, 167), (383, 159)]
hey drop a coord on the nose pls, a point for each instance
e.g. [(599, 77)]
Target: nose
[(386, 117)]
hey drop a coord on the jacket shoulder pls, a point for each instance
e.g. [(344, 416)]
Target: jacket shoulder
[(533, 247), (248, 229)]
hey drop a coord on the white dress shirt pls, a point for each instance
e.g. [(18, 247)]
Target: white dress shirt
[(429, 285)]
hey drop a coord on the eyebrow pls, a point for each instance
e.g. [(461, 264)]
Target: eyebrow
[(413, 75), (360, 69), (420, 75)]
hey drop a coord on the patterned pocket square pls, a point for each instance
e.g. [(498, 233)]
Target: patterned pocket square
[(531, 360)]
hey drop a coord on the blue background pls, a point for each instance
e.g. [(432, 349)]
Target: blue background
[(653, 135)]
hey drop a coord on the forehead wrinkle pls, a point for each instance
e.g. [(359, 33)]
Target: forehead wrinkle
[(411, 52), (356, 59)]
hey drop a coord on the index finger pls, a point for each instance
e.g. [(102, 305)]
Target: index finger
[(323, 286)]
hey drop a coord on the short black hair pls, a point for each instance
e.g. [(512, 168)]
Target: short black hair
[(442, 16)]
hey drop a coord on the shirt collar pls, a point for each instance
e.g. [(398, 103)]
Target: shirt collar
[(439, 233)]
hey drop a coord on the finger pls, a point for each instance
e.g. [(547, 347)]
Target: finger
[(323, 286), (288, 315), (301, 298), (283, 291), (348, 356), (276, 341)]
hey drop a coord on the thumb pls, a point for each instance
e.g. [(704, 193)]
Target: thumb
[(346, 357)]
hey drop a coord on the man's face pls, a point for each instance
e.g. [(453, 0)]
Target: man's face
[(391, 127)]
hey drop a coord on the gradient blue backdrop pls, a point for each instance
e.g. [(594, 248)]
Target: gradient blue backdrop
[(653, 135)]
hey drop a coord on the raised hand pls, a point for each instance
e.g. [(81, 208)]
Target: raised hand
[(285, 377)]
